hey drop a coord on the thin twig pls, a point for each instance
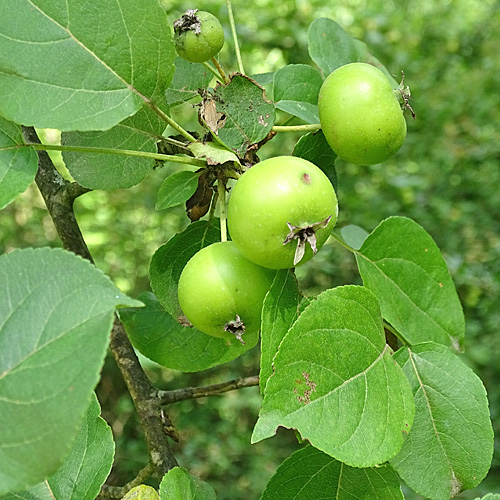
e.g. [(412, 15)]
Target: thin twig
[(168, 397), (75, 190), (120, 491)]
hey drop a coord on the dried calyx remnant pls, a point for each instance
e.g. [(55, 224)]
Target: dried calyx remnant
[(405, 94), (236, 327), (188, 22), (304, 234)]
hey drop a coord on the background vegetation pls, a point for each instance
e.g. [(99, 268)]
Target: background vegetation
[(445, 177)]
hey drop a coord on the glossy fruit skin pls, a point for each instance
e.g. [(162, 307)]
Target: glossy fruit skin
[(271, 193), (217, 284), (360, 116), (200, 47)]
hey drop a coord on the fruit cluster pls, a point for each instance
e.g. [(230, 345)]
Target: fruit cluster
[(280, 213), (282, 210)]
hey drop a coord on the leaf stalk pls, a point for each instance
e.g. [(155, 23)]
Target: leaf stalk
[(111, 151)]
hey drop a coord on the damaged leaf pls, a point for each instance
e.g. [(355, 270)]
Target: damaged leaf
[(335, 381), (209, 115), (243, 115)]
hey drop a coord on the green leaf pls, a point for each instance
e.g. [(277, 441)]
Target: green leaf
[(109, 171), (82, 66), (169, 261), (450, 446), (37, 492), (142, 492), (188, 79), (314, 148), (263, 78), (489, 496), (330, 46), (363, 55), (86, 468), (56, 312), (18, 166), (280, 310), (176, 189), (178, 484), (402, 265), (159, 337), (309, 473), (213, 152), (303, 110), (354, 236), (335, 381), (296, 88), (249, 116)]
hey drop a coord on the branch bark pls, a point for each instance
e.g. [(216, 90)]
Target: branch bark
[(59, 195), (168, 397)]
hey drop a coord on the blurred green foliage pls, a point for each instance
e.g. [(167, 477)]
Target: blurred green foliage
[(446, 177)]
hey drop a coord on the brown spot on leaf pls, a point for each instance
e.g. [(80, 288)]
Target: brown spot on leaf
[(311, 387)]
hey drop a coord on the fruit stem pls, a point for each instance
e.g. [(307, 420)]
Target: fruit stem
[(235, 38), (225, 78), (212, 70), (296, 128), (211, 214), (221, 190)]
